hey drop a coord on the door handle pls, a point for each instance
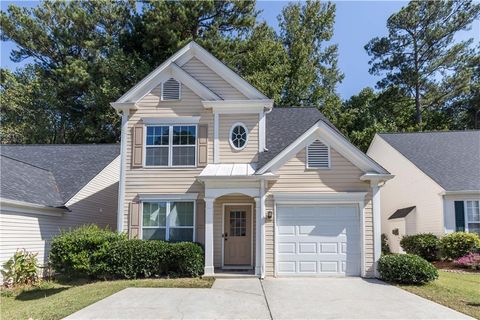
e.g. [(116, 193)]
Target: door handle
[(225, 236)]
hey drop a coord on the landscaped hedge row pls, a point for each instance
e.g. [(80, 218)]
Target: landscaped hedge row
[(97, 253), (450, 246)]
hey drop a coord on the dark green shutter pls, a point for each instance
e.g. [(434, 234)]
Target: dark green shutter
[(459, 216)]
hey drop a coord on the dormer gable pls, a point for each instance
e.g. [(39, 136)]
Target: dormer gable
[(175, 68)]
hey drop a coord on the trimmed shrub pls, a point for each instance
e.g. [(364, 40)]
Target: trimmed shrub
[(20, 269), (186, 259), (145, 259), (385, 245), (135, 258), (424, 245), (458, 244), (406, 268), (471, 261), (82, 251)]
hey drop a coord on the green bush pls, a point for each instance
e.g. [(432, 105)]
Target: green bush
[(458, 244), (424, 245), (82, 251), (385, 245), (143, 259), (406, 268), (20, 269)]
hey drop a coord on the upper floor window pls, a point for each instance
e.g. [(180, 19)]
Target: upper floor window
[(171, 146), (238, 136), (318, 155), (171, 90)]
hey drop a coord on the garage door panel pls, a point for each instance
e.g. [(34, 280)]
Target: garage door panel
[(318, 240)]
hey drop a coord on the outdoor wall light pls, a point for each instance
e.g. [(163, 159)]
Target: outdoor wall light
[(269, 214)]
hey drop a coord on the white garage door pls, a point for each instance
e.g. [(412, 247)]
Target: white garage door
[(318, 240)]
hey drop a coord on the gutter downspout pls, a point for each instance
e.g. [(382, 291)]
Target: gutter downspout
[(262, 232), (121, 182)]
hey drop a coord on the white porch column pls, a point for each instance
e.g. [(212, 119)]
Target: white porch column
[(258, 237), (209, 269), (377, 220)]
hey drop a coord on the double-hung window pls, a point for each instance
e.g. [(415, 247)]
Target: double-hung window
[(168, 220), (171, 146), (472, 209)]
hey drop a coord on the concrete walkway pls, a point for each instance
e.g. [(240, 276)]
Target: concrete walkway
[(302, 298), (227, 299), (348, 298)]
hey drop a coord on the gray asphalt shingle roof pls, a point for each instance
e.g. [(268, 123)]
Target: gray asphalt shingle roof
[(25, 182), (284, 126), (451, 158), (68, 167)]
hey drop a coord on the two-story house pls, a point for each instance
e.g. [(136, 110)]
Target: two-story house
[(206, 157)]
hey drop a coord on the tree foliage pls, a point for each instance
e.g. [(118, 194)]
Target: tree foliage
[(420, 56), (86, 54)]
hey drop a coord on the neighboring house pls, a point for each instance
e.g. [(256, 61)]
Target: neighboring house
[(437, 182), (206, 157), (47, 188)]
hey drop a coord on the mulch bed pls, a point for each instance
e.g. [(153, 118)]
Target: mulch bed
[(449, 266)]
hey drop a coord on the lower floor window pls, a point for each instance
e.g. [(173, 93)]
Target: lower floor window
[(168, 220), (473, 216)]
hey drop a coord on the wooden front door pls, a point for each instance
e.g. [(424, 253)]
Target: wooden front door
[(237, 235)]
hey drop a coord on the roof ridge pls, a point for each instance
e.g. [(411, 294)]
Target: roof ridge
[(27, 163), (59, 144), (442, 131)]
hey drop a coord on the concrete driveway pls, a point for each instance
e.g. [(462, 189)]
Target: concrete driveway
[(302, 298)]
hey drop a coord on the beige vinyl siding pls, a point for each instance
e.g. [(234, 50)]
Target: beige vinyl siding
[(218, 225), (250, 152), (270, 238), (409, 187), (293, 177), (95, 203), (212, 80), (343, 176), (164, 180)]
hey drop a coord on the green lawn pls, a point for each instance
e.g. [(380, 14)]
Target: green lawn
[(459, 291), (55, 300)]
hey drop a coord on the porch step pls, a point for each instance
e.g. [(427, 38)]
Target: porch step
[(221, 274)]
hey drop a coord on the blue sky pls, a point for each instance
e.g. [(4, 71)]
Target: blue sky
[(356, 23)]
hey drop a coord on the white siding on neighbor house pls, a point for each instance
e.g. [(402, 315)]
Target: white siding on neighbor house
[(212, 80), (95, 203), (409, 187)]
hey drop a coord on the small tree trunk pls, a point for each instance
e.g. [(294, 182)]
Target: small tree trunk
[(418, 109)]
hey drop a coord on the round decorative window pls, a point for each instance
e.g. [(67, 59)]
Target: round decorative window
[(238, 136)]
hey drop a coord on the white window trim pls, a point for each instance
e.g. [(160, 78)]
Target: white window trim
[(167, 221), (230, 135), (170, 145), (329, 157), (467, 221), (179, 91)]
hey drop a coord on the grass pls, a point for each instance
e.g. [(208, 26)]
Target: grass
[(459, 291), (56, 300)]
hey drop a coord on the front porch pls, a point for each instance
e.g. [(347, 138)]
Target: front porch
[(234, 219), (233, 232)]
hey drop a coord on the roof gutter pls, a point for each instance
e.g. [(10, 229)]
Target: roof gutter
[(28, 207)]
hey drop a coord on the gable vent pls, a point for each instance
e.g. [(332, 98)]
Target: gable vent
[(171, 90), (318, 155)]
